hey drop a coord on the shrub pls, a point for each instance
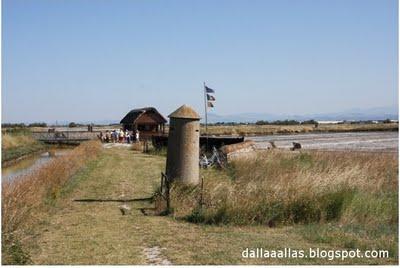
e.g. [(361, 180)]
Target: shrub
[(285, 122), (13, 252), (309, 122), (13, 125), (37, 125)]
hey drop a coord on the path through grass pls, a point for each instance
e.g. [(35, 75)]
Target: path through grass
[(97, 232)]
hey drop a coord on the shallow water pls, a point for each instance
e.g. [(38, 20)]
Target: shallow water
[(345, 141), (28, 165)]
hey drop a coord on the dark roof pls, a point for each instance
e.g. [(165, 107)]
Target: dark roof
[(134, 114)]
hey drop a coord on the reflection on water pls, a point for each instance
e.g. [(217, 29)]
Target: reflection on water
[(28, 165)]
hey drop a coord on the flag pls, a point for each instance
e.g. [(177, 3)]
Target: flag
[(210, 97), (209, 90), (209, 104)]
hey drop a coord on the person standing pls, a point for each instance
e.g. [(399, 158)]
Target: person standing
[(132, 136), (121, 136), (114, 136), (107, 137), (117, 135), (127, 137), (137, 135)]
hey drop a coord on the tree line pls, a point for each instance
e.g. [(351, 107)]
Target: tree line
[(264, 122), (23, 125), (295, 122)]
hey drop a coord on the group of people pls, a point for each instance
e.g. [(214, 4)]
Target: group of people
[(119, 136)]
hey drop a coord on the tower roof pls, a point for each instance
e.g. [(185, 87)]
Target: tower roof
[(185, 112)]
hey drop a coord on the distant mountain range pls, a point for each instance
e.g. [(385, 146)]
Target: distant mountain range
[(353, 114), (379, 113)]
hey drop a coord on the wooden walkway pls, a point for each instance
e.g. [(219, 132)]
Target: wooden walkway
[(64, 137)]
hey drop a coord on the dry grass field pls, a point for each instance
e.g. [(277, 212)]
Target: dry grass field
[(11, 141), (346, 199), (330, 201), (17, 145)]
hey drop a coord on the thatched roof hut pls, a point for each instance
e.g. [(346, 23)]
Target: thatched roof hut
[(147, 120)]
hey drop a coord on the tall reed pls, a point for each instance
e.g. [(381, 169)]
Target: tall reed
[(16, 140)]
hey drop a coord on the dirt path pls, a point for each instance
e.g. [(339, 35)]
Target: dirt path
[(98, 233)]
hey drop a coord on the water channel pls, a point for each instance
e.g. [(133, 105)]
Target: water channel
[(28, 165)]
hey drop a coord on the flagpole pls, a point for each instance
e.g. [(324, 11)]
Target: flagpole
[(205, 112)]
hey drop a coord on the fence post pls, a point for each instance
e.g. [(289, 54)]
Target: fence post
[(145, 146), (167, 185), (201, 192), (164, 178), (162, 182)]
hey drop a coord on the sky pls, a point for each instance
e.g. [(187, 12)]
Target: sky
[(91, 60)]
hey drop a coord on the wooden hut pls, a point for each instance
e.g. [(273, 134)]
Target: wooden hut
[(147, 120)]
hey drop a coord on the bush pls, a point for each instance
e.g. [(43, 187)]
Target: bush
[(37, 125), (13, 252), (72, 124), (261, 122), (13, 125), (309, 122), (285, 122)]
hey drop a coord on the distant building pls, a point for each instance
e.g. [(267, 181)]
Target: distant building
[(147, 120), (330, 121)]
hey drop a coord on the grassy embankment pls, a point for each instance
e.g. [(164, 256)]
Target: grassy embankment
[(18, 144), (26, 198), (325, 200), (347, 200), (253, 130)]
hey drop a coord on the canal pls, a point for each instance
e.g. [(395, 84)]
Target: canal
[(30, 164)]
